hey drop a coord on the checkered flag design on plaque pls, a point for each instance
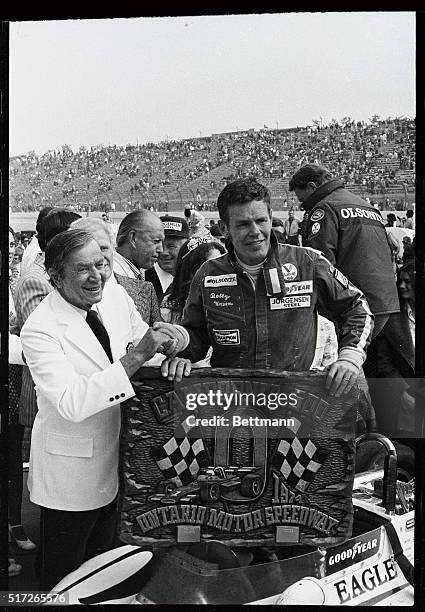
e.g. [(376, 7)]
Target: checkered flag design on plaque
[(298, 459), (181, 457)]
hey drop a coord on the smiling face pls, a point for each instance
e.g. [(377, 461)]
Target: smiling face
[(249, 227), (168, 257), (83, 276)]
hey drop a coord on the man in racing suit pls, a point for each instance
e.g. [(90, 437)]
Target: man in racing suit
[(257, 304)]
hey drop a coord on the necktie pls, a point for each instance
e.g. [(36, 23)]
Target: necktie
[(100, 332)]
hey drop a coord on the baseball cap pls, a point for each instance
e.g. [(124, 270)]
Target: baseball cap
[(175, 226)]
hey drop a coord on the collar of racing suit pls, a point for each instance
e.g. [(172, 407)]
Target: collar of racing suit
[(272, 268), (321, 192)]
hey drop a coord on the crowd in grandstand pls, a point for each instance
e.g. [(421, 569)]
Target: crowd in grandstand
[(375, 158)]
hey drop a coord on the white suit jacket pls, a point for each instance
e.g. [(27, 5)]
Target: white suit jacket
[(75, 437)]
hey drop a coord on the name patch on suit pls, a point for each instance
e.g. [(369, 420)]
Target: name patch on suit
[(220, 299), (299, 301), (227, 336), (222, 280), (299, 287)]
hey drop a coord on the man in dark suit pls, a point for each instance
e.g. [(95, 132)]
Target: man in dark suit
[(161, 275)]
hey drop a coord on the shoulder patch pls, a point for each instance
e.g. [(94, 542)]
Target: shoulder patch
[(315, 228), (318, 214), (338, 276)]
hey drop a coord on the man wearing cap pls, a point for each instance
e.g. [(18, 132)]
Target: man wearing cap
[(161, 275)]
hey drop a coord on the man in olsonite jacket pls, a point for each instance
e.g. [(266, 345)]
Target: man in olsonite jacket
[(81, 378), (351, 234)]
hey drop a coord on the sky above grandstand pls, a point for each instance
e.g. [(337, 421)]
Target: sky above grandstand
[(128, 81)]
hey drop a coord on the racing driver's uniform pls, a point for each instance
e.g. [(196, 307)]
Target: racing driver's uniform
[(275, 325)]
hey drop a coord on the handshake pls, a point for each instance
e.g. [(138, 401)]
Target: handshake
[(176, 339)]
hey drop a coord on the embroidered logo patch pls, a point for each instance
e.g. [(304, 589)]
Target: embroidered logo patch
[(222, 280), (315, 228), (318, 214), (299, 287), (227, 336), (289, 271), (129, 348), (300, 301)]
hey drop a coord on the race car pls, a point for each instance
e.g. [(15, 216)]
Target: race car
[(372, 568), (230, 483)]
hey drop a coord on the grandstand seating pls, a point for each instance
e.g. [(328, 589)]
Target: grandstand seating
[(375, 159)]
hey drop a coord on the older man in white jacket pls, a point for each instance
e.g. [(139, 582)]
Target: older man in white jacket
[(73, 473)]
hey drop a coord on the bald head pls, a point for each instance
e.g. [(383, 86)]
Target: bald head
[(140, 238)]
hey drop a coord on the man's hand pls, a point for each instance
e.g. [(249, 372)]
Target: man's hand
[(175, 368), (341, 377), (166, 328), (155, 342), (173, 335)]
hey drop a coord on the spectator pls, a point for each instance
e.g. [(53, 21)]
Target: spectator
[(409, 251), (292, 229), (409, 221), (188, 262), (197, 227), (304, 229), (139, 243), (176, 231), (34, 248)]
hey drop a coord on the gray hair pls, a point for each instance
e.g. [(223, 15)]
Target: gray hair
[(133, 220), (60, 247), (92, 224)]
